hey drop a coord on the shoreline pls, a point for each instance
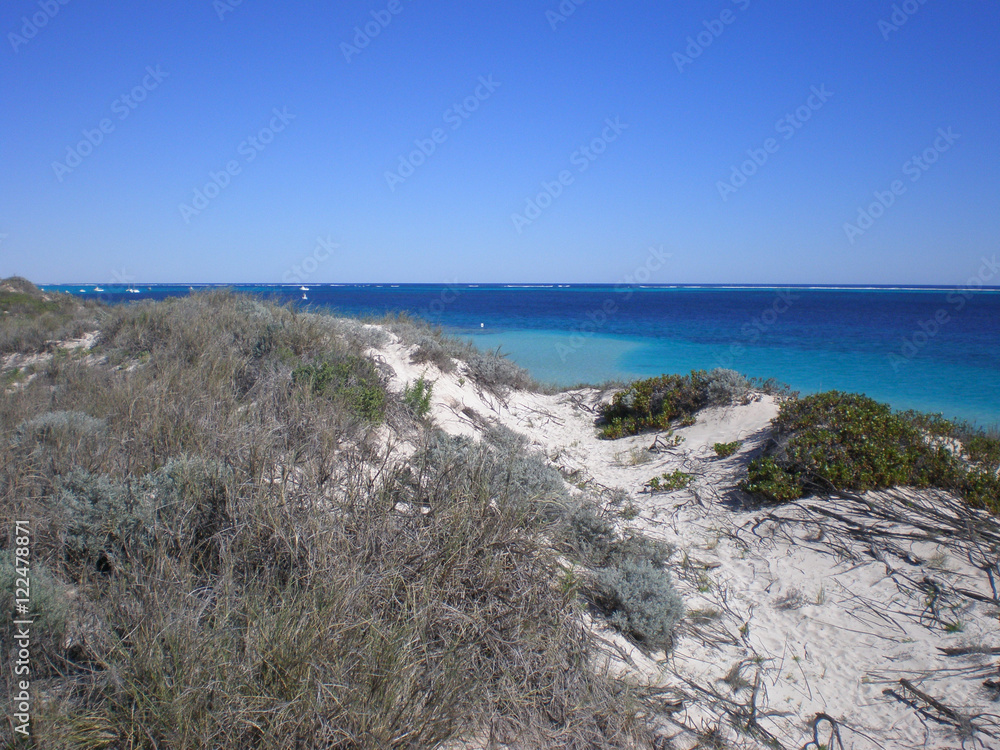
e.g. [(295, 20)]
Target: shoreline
[(880, 344)]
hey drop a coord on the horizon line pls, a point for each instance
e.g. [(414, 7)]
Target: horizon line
[(524, 285)]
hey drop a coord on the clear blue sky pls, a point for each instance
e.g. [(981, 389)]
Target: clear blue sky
[(117, 212)]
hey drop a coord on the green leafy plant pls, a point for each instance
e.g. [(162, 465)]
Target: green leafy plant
[(656, 403), (725, 450), (417, 396), (674, 480), (840, 441), (353, 380)]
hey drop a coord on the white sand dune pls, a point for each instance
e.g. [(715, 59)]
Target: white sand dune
[(820, 623)]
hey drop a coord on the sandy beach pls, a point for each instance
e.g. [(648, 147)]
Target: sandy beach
[(848, 622)]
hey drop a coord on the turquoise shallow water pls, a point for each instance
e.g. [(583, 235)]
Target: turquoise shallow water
[(935, 350), (955, 389)]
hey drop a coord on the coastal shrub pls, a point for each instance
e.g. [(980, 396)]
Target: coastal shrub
[(18, 284), (497, 374), (354, 381), (431, 350), (359, 334), (49, 610), (595, 541), (178, 509), (138, 328), (982, 490), (14, 303), (655, 403), (31, 319), (501, 469), (725, 450), (626, 581), (431, 344), (54, 425), (517, 465), (983, 449), (60, 441), (100, 519), (726, 387), (670, 481), (839, 441), (191, 499), (590, 536), (417, 397), (640, 600)]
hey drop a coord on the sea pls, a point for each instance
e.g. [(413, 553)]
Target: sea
[(931, 349)]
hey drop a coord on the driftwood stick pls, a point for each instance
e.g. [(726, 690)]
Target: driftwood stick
[(969, 650), (941, 708), (915, 706)]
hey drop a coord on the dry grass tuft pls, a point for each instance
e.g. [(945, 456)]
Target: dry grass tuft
[(232, 556)]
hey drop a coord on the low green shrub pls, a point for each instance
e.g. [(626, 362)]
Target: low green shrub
[(839, 441), (725, 450), (771, 480), (354, 380), (655, 403), (983, 449), (668, 482), (417, 397)]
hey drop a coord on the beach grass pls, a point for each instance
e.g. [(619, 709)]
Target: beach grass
[(232, 555)]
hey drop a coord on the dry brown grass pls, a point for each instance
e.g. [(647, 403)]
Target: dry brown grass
[(30, 319), (243, 562)]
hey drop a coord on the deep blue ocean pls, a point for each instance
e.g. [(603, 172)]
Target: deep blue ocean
[(935, 350)]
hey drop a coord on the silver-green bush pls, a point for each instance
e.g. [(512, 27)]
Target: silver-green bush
[(640, 600)]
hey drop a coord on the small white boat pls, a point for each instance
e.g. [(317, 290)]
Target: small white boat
[(84, 291), (130, 290), (304, 296), (98, 289), (304, 288)]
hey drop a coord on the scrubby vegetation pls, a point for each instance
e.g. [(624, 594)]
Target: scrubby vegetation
[(657, 403), (227, 553), (627, 580), (491, 371), (838, 441), (353, 380), (494, 372), (670, 481), (641, 601), (725, 450), (29, 320), (417, 396)]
